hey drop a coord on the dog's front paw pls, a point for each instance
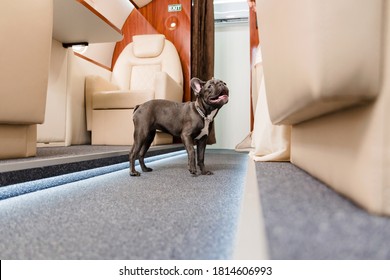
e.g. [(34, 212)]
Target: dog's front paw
[(206, 172), (135, 173), (193, 172)]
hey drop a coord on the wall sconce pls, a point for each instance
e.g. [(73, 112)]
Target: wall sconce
[(79, 47)]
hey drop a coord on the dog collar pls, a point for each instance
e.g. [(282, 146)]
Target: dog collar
[(207, 121)]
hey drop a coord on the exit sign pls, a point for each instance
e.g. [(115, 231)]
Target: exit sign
[(174, 8)]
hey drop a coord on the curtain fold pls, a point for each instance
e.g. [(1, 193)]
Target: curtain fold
[(202, 45)]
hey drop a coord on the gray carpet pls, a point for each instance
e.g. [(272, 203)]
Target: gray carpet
[(46, 153), (304, 219), (165, 214), (55, 161), (53, 181)]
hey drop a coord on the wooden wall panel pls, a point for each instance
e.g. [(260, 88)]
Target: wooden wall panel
[(134, 25), (155, 18), (157, 14)]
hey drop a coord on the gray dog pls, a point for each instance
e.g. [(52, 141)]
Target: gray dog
[(190, 121)]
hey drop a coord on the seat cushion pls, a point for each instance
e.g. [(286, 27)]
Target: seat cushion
[(319, 56), (120, 99)]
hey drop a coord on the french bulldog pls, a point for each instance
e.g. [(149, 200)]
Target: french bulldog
[(191, 121)]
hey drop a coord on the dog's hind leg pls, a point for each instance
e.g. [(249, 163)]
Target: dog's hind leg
[(139, 139), (145, 147), (132, 158)]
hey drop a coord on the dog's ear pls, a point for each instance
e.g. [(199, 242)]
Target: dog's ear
[(196, 85)]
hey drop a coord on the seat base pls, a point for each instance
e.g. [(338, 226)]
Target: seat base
[(349, 151), (18, 141), (115, 127)]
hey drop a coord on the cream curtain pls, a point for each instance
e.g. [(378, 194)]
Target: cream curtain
[(267, 142)]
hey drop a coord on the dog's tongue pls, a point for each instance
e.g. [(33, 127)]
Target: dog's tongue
[(223, 97)]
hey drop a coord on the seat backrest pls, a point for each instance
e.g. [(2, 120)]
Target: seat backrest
[(26, 37), (320, 56), (141, 59)]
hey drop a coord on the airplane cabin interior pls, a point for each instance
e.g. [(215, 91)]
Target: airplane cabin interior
[(297, 160)]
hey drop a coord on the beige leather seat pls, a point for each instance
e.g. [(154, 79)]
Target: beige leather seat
[(326, 68), (148, 68), (26, 36)]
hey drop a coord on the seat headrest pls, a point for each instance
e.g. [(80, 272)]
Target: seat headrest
[(148, 45)]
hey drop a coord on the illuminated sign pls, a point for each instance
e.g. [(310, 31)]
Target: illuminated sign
[(174, 8)]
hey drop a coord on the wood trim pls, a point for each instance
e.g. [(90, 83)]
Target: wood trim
[(92, 9), (93, 61), (254, 42)]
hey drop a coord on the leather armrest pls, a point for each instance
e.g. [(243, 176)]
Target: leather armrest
[(94, 84), (120, 99)]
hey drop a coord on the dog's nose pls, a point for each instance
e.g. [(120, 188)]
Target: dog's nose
[(222, 86)]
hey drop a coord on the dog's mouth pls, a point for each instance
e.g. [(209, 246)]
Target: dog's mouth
[(221, 98)]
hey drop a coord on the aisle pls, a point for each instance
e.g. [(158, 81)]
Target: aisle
[(165, 214)]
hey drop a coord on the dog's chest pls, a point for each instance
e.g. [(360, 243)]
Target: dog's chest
[(207, 120)]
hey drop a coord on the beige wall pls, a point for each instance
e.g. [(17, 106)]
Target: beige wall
[(65, 122), (232, 66)]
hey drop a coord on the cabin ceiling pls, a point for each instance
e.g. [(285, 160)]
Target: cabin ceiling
[(230, 10)]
